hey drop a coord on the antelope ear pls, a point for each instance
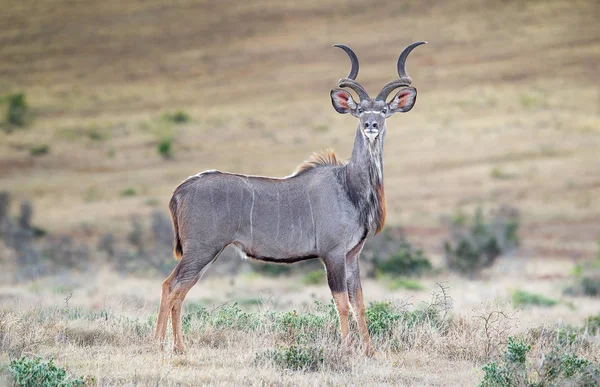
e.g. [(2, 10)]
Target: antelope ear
[(342, 101), (404, 100)]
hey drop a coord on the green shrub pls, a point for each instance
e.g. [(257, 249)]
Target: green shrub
[(177, 117), (34, 372), (297, 357), (16, 112), (523, 298), (383, 318), (39, 150), (557, 367), (315, 277), (165, 147), (476, 242), (406, 261), (586, 279), (592, 323)]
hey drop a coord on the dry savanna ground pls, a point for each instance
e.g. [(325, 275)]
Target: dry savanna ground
[(508, 113)]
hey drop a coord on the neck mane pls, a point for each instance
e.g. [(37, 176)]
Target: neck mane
[(364, 180)]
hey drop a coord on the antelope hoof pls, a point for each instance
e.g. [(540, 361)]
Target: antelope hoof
[(178, 350), (370, 351), (349, 341)]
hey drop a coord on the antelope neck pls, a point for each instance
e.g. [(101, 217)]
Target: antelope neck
[(364, 180)]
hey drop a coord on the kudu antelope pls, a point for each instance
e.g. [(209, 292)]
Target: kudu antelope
[(325, 210)]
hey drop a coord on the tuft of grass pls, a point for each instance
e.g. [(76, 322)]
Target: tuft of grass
[(39, 150), (177, 117), (315, 277), (128, 192), (523, 298), (31, 372)]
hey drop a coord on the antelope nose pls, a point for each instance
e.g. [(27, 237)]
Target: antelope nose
[(371, 125)]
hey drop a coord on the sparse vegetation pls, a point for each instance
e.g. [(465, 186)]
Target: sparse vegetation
[(475, 243), (523, 298)]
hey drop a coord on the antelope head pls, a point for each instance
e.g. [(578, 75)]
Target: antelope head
[(372, 113)]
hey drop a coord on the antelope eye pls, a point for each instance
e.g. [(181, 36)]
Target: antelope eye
[(384, 110), (359, 110)]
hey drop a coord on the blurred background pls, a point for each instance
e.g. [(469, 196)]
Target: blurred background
[(107, 106)]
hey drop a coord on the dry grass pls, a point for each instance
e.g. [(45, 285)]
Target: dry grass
[(101, 325)]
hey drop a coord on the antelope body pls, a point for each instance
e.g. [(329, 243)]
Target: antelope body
[(325, 210)]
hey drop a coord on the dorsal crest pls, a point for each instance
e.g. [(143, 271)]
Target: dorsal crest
[(326, 158)]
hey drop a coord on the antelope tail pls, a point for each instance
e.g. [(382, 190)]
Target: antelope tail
[(178, 248)]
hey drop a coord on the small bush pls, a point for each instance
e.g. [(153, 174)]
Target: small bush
[(39, 150), (523, 298), (586, 278), (17, 109), (406, 261), (557, 367), (475, 243), (165, 147), (297, 357), (383, 318), (315, 277), (34, 372), (177, 117)]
